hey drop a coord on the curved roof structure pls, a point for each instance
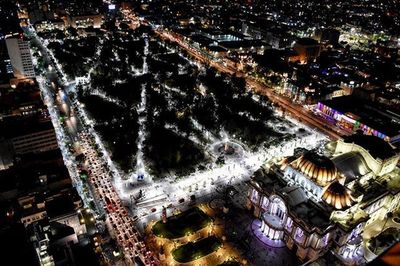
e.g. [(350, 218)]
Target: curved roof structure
[(318, 168), (377, 147), (352, 165), (337, 195)]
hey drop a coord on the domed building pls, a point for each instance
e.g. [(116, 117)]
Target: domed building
[(337, 195), (311, 202), (319, 169), (312, 172)]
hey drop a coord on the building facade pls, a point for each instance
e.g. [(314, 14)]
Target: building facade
[(21, 59), (308, 49), (35, 142), (49, 25), (313, 203), (355, 114), (84, 21)]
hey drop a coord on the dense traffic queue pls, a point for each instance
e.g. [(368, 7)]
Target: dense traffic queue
[(120, 223)]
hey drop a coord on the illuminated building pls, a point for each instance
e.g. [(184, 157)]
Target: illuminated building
[(20, 56), (245, 46), (330, 36), (313, 203), (84, 21), (308, 49), (354, 114), (49, 25), (28, 136)]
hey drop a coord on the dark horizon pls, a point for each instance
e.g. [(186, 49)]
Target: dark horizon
[(199, 132)]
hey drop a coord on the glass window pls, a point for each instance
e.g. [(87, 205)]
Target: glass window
[(265, 203), (299, 232), (325, 239), (299, 235), (289, 223), (254, 196)]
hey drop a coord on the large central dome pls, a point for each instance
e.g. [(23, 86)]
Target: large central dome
[(318, 168)]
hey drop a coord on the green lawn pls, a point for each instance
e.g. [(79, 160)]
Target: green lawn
[(185, 223), (195, 250)]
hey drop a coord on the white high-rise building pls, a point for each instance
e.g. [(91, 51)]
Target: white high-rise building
[(20, 56)]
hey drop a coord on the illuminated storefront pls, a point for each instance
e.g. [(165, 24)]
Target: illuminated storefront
[(349, 121)]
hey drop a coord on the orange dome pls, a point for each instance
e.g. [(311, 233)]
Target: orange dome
[(318, 168), (337, 195)]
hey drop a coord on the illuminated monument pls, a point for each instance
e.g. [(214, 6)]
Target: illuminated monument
[(337, 201)]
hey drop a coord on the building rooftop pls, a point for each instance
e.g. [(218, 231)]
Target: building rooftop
[(317, 167), (12, 127), (242, 44), (10, 22), (374, 115), (337, 195), (59, 206), (312, 215), (59, 231), (29, 167), (15, 246), (306, 41), (352, 165), (23, 95), (55, 20), (201, 40), (377, 147), (372, 192), (24, 175), (216, 32)]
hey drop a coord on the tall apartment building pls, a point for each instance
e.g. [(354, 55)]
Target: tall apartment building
[(20, 56), (37, 139), (28, 135)]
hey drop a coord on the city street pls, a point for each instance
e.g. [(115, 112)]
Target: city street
[(296, 111), (112, 193), (119, 222)]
